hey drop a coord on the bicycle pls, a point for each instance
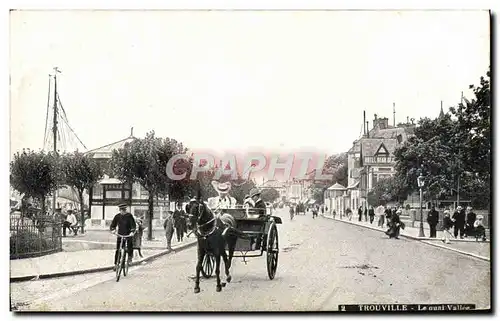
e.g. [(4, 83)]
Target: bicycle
[(122, 260)]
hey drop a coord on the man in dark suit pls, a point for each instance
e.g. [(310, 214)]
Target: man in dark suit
[(458, 219), (432, 219), (259, 204), (469, 222)]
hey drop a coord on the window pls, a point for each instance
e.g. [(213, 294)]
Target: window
[(97, 191)]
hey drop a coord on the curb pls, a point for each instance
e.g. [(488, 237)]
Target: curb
[(402, 234), (458, 251), (147, 247), (421, 239), (98, 269)]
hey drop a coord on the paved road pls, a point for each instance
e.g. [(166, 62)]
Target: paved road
[(322, 264)]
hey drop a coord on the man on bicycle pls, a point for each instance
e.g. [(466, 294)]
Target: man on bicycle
[(125, 223)]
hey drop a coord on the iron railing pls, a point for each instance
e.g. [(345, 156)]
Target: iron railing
[(31, 237)]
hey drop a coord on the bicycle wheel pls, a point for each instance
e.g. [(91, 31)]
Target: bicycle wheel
[(125, 264), (118, 266)]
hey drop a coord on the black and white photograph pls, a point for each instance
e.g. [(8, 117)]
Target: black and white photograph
[(250, 160)]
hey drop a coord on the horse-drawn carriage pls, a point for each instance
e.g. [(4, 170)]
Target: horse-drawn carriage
[(262, 236)]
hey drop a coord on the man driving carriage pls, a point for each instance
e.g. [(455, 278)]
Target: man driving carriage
[(223, 200)]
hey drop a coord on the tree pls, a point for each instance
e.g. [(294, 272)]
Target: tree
[(386, 190), (145, 161), (336, 166), (270, 195), (451, 149), (81, 172), (34, 174)]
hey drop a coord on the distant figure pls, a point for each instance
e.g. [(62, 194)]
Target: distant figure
[(447, 224), (394, 225), (432, 219), (366, 213), (371, 214), (168, 226), (458, 219), (480, 231), (381, 217), (139, 232), (360, 213), (469, 222), (70, 223)]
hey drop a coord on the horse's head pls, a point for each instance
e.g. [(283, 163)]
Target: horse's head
[(195, 209)]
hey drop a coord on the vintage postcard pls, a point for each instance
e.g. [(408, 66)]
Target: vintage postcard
[(250, 160)]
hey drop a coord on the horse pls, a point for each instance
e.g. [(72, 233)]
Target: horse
[(213, 234)]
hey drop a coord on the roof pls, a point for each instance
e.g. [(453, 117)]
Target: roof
[(106, 150), (108, 180), (371, 145), (355, 148), (336, 186), (354, 185)]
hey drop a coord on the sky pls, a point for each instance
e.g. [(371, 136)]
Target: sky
[(223, 80)]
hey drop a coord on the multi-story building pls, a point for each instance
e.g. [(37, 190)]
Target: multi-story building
[(370, 159)]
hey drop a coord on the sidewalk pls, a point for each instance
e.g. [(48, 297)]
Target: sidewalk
[(74, 261), (470, 247)]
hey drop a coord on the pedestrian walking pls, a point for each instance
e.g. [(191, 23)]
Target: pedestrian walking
[(469, 222), (334, 213), (178, 222), (139, 232), (292, 210), (366, 213), (447, 224), (70, 223), (432, 220), (349, 213), (371, 214), (168, 226), (360, 213), (322, 209), (458, 219), (381, 215)]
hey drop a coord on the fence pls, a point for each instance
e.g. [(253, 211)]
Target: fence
[(34, 237)]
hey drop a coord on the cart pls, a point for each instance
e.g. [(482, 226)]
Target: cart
[(263, 237)]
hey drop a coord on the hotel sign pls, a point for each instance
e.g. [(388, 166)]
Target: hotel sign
[(372, 160)]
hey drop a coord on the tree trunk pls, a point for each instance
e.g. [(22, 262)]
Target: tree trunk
[(150, 214), (80, 195)]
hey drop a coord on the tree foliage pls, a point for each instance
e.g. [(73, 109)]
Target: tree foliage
[(34, 174), (270, 195), (145, 161), (386, 190), (453, 148), (81, 172), (335, 165)]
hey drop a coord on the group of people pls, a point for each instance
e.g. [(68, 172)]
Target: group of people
[(175, 221), (464, 222)]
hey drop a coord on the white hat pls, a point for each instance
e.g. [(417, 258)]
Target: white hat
[(221, 187)]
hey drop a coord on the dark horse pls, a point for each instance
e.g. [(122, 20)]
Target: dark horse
[(213, 233)]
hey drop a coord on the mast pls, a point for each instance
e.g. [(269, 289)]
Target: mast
[(54, 131), (459, 162), (394, 114)]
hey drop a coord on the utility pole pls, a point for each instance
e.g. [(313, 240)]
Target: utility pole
[(394, 114), (459, 161), (54, 131)]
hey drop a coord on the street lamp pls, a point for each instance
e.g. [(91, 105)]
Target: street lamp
[(420, 181)]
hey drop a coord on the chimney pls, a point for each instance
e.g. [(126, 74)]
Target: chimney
[(383, 123), (364, 122), (375, 121), (394, 114), (131, 131), (367, 130)]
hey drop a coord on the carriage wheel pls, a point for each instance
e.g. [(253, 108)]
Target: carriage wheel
[(207, 267), (272, 251)]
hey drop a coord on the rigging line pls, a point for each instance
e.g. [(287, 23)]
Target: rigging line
[(71, 129), (67, 122), (46, 116)]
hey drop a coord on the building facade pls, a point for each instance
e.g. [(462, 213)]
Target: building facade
[(109, 192)]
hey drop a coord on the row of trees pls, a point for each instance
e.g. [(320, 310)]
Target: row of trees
[(37, 174), (336, 166), (452, 152)]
